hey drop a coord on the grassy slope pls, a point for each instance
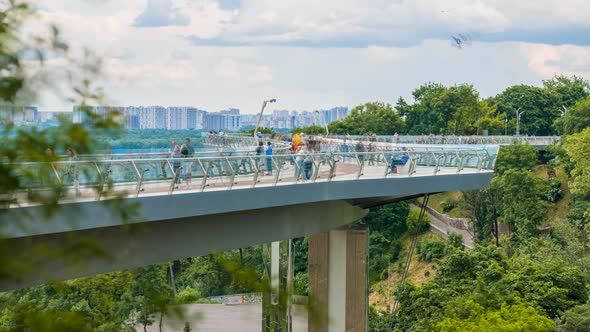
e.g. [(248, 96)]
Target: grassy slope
[(418, 273), (436, 200), (560, 209)]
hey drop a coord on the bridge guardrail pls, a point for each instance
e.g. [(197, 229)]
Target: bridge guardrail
[(452, 139), (145, 175)]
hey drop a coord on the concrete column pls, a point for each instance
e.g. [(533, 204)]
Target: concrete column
[(276, 301), (338, 281)]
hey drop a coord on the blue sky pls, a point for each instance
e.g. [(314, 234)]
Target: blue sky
[(313, 54)]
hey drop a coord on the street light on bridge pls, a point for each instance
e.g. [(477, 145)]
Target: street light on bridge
[(324, 121), (518, 114), (261, 111), (506, 126), (563, 115)]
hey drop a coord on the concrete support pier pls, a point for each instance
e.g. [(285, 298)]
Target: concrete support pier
[(276, 301), (338, 281)]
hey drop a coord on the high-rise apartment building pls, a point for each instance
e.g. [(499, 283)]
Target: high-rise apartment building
[(177, 118), (19, 115), (226, 120)]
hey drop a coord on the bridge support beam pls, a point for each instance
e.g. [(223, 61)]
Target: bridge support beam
[(338, 280)]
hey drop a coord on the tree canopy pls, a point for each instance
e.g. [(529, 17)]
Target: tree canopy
[(378, 118), (578, 149)]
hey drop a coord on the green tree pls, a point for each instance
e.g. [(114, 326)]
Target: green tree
[(545, 276), (576, 319), (375, 117), (311, 130), (521, 201), (387, 224), (577, 148), (378, 320), (438, 109), (576, 119), (538, 108), (490, 119), (153, 294), (205, 274), (104, 302), (567, 90), (431, 249), (480, 204), (262, 130), (516, 157), (509, 318)]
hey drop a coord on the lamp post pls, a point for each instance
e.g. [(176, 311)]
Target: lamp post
[(506, 126), (324, 121), (260, 116), (478, 118), (518, 114), (563, 115)]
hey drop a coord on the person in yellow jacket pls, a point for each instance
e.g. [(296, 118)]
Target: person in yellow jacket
[(296, 139)]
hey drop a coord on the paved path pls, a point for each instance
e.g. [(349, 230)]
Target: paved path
[(226, 318), (443, 229)]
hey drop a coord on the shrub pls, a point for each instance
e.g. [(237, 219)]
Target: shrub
[(455, 240), (430, 250), (416, 225), (187, 296), (378, 320), (576, 319), (448, 205), (554, 192), (301, 283)]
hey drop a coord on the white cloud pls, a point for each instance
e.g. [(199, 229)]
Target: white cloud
[(390, 23), (159, 66), (159, 13), (548, 60), (227, 69), (261, 74)]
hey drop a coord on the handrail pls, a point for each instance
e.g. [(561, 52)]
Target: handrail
[(452, 139), (135, 177)]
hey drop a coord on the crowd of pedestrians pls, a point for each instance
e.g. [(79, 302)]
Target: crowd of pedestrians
[(303, 150)]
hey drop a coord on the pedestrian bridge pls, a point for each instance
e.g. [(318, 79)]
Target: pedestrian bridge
[(538, 142), (226, 199)]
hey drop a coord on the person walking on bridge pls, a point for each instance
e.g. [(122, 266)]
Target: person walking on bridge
[(72, 170), (259, 153), (268, 153), (187, 151), (360, 149), (175, 155)]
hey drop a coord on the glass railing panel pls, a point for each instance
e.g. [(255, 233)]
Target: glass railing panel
[(154, 175), (219, 174), (376, 165), (322, 168), (288, 170), (266, 170), (347, 166)]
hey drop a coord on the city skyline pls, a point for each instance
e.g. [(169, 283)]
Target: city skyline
[(180, 117)]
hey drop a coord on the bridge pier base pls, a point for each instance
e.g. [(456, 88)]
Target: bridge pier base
[(338, 280)]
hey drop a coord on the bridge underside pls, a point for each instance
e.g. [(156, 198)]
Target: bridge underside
[(94, 240)]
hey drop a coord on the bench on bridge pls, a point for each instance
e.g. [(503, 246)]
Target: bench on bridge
[(398, 162)]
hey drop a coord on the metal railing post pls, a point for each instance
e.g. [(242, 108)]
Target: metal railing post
[(232, 175), (205, 175)]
